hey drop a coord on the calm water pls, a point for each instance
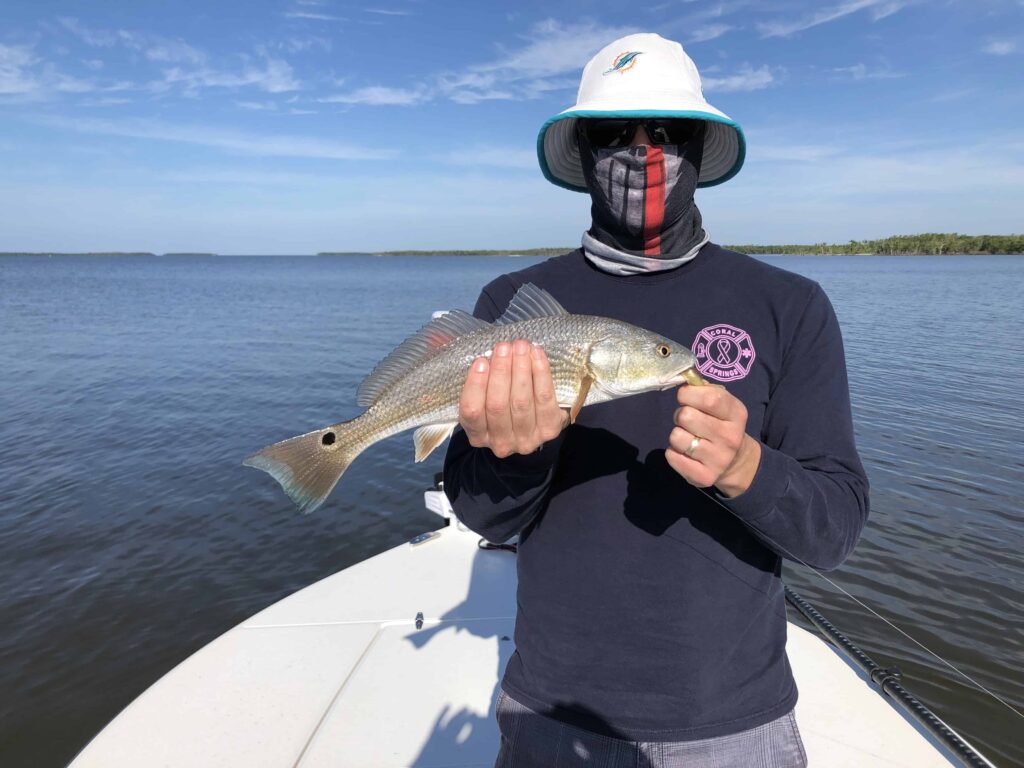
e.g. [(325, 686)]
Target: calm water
[(130, 535)]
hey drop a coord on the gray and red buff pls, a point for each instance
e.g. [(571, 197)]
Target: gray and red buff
[(642, 209)]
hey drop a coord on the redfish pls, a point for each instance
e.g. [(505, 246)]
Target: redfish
[(592, 360)]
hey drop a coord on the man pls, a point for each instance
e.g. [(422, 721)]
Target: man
[(651, 622)]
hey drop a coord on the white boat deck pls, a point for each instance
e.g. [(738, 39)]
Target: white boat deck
[(338, 675)]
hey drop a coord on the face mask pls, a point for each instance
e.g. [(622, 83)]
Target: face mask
[(642, 197)]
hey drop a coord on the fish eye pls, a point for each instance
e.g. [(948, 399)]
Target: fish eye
[(663, 350)]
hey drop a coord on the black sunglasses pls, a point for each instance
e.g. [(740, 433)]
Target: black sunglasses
[(618, 132)]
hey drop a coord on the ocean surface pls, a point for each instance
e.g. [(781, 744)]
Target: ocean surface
[(130, 534)]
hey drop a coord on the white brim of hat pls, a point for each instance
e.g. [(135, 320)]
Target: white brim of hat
[(724, 144)]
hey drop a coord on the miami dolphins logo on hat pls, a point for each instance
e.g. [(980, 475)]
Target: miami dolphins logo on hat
[(623, 62)]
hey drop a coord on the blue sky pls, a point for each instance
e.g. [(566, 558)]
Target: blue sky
[(294, 126)]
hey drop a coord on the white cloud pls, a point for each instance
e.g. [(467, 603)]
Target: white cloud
[(551, 60), (313, 16), (541, 85), (700, 11), (379, 95), (472, 87), (105, 101), (153, 47), (1000, 47), (274, 76), (861, 71), (171, 51), (887, 9), (747, 79), (15, 78), (784, 28), (192, 70), (97, 38), (257, 106), (554, 49), (386, 12), (68, 84), (708, 32), (25, 76), (224, 139), (474, 96), (295, 44)]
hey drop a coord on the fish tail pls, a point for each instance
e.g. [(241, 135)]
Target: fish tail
[(308, 466)]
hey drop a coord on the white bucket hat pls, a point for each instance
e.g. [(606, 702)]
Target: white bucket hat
[(641, 75)]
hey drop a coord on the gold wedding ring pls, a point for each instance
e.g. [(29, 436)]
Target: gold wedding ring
[(693, 447)]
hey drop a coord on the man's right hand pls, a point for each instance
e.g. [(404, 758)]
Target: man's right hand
[(508, 403)]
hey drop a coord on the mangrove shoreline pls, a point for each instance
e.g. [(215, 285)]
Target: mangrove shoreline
[(927, 244)]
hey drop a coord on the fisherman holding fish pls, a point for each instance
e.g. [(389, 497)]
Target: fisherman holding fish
[(651, 627), (651, 624)]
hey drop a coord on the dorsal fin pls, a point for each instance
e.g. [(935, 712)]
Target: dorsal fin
[(530, 302), (421, 345)]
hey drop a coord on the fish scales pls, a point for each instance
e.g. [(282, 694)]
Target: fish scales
[(430, 393)]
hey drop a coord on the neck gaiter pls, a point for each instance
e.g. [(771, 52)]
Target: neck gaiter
[(643, 215)]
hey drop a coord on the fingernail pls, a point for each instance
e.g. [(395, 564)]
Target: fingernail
[(502, 350), (480, 365), (538, 352), (522, 346)]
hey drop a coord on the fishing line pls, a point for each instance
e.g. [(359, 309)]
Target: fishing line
[(868, 608)]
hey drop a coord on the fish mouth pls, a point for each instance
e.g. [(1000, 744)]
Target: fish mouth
[(678, 378)]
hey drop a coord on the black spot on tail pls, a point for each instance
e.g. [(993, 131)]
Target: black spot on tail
[(328, 438)]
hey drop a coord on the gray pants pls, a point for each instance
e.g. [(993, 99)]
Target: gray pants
[(529, 740)]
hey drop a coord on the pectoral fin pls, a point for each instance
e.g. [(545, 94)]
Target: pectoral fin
[(427, 438), (581, 398)]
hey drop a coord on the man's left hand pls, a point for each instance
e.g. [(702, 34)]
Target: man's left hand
[(726, 456)]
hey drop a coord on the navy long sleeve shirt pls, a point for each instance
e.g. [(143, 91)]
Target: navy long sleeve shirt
[(649, 609)]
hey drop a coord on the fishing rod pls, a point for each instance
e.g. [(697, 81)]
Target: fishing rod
[(888, 680)]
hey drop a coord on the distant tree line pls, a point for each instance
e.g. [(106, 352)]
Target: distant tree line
[(929, 243)]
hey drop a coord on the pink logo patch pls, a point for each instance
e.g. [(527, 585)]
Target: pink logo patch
[(724, 352)]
